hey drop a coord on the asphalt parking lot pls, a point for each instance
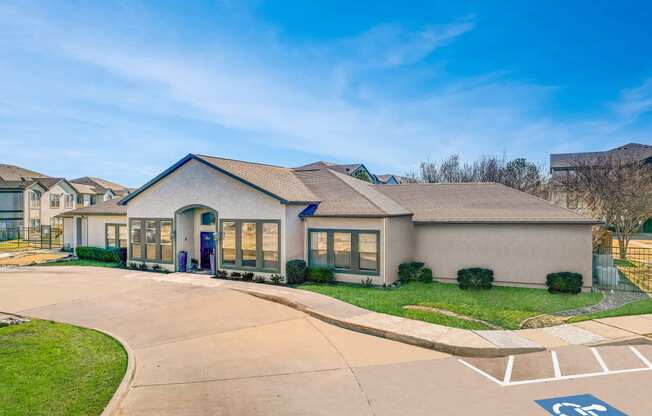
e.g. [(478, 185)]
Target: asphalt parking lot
[(214, 351)]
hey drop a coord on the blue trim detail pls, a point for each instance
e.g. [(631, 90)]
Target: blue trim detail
[(308, 211)]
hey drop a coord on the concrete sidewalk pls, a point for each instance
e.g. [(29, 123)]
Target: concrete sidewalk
[(490, 343)]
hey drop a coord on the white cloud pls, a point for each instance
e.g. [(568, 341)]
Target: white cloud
[(318, 99)]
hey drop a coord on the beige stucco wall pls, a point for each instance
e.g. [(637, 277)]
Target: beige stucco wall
[(351, 224), (399, 248), (69, 232), (293, 233), (520, 255), (197, 184), (93, 228)]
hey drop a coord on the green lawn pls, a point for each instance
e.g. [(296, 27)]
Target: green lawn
[(635, 308), (48, 368), (94, 263), (505, 307)]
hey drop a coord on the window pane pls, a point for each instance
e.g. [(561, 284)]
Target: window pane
[(150, 232), (122, 235), (319, 248), (110, 236), (136, 251), (136, 232), (270, 245), (151, 251), (342, 250), (166, 240), (228, 242), (207, 218), (248, 237), (368, 251)]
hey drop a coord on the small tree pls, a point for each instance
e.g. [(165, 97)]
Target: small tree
[(614, 188), (362, 175)]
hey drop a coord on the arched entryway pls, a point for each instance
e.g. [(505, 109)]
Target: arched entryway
[(196, 231)]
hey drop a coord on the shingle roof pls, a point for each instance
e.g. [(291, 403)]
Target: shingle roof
[(477, 203), (16, 173), (83, 188), (15, 184), (279, 181), (109, 207), (342, 195), (636, 151), (49, 182), (99, 182)]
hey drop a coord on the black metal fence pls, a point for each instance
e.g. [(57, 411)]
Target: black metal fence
[(30, 238), (631, 272)]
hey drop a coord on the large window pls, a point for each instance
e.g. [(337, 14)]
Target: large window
[(347, 251), (34, 200), (55, 201), (151, 240), (93, 199), (80, 199), (251, 244), (68, 200), (116, 235)]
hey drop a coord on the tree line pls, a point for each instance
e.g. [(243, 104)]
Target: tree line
[(519, 173)]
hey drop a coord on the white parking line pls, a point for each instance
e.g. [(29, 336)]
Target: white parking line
[(599, 359), (506, 382), (640, 356), (508, 369), (555, 364)]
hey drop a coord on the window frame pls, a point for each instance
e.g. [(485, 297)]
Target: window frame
[(207, 213), (117, 234), (355, 254), (238, 245), (55, 201), (143, 243)]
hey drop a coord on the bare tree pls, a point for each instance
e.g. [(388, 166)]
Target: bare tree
[(519, 173), (613, 188)]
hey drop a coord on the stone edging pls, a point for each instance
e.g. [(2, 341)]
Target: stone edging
[(114, 404), (458, 350)]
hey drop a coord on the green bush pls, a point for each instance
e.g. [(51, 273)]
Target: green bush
[(321, 274), (99, 254), (425, 275), (296, 271), (277, 279), (368, 282), (564, 282), (475, 278), (409, 271)]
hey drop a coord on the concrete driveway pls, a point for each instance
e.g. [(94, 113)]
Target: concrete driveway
[(214, 351)]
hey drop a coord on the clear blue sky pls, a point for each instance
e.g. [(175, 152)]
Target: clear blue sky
[(121, 90)]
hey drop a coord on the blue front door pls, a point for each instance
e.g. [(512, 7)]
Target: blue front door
[(207, 247)]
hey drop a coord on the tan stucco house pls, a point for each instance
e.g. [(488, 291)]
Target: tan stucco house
[(257, 217)]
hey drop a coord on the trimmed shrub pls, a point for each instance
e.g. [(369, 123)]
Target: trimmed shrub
[(100, 254), (409, 271), (236, 275), (277, 279), (475, 278), (221, 274), (425, 275), (564, 282), (296, 271), (247, 276), (321, 274)]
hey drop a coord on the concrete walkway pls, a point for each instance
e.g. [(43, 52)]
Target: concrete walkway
[(488, 343), (200, 346)]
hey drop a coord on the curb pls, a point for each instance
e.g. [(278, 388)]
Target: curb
[(113, 406), (458, 350)]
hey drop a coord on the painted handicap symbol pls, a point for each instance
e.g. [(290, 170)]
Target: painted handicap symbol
[(581, 405)]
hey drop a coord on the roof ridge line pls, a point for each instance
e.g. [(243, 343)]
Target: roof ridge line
[(363, 195), (243, 161)]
